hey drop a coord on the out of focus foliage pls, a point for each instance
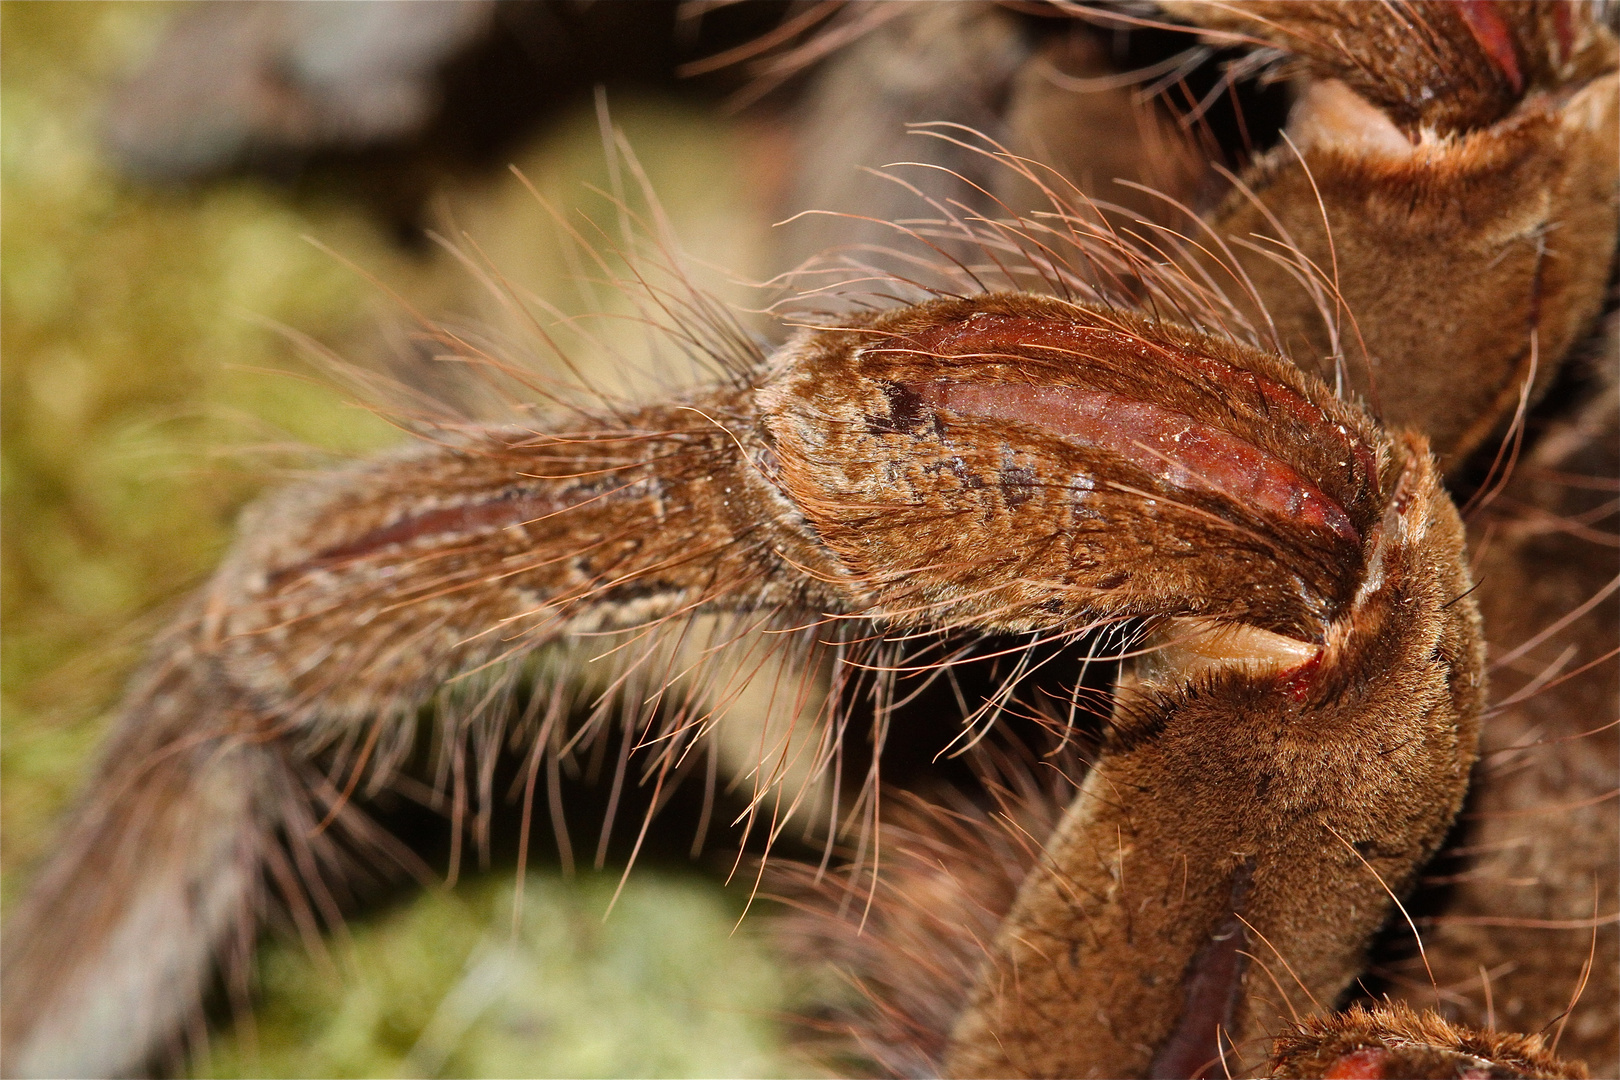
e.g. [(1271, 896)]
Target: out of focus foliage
[(445, 988), (146, 397)]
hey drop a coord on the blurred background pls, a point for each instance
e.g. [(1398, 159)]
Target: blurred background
[(154, 234)]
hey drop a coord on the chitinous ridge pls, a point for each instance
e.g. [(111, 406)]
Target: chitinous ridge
[(1134, 415), (515, 508)]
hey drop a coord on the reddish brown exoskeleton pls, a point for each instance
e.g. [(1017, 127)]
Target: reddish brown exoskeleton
[(1169, 442)]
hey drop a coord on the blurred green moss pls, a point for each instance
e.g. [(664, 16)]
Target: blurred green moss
[(448, 987), (143, 401), (134, 377)]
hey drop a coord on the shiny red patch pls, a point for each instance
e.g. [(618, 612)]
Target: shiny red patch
[(1170, 445), (1360, 1065), (1485, 22)]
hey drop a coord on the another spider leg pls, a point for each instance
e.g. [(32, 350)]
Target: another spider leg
[(1207, 829), (1449, 174), (1542, 827), (1393, 1040)]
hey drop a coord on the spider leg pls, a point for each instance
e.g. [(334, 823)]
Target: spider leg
[(1443, 161), (348, 602)]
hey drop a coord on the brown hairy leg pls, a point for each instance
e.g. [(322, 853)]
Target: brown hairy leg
[(346, 606), (842, 483), (1444, 160)]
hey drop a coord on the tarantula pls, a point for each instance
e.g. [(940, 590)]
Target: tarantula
[(1226, 443)]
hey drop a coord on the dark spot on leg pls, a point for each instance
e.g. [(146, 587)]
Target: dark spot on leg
[(905, 412), (1017, 484)]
